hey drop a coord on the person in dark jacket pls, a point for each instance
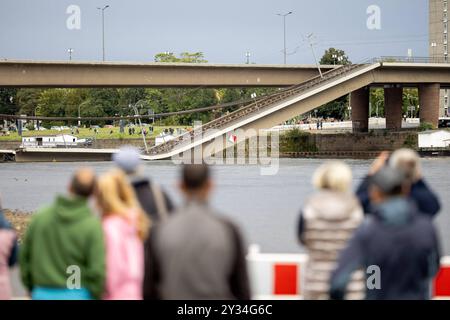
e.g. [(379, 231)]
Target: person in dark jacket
[(407, 161), (155, 202), (195, 254), (396, 245), (8, 255)]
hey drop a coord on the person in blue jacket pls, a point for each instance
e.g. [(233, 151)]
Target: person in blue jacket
[(396, 246), (408, 161)]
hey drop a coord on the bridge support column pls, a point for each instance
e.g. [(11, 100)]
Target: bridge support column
[(359, 100), (429, 95), (393, 101)]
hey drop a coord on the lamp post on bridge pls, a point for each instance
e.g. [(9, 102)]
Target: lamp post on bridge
[(103, 28), (70, 51), (247, 56), (284, 15)]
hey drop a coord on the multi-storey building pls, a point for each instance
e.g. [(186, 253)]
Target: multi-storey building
[(438, 42)]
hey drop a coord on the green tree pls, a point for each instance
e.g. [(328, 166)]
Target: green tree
[(336, 109), (410, 99), (185, 57), (334, 56), (175, 99), (51, 104), (377, 102), (8, 103), (27, 100)]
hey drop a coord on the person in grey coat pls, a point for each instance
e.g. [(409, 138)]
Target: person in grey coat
[(196, 253)]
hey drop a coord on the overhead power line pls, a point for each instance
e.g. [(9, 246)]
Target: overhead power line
[(131, 117)]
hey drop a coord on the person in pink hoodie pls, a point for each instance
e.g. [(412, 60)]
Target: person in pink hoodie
[(8, 255), (125, 227)]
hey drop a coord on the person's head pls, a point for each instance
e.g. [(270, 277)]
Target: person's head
[(82, 183), (388, 183), (128, 159), (333, 176), (196, 181), (115, 196), (407, 161)]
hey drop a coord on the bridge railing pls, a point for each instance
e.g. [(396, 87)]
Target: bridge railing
[(406, 59), (258, 105)]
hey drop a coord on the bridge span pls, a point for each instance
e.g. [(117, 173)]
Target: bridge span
[(353, 79), (16, 73)]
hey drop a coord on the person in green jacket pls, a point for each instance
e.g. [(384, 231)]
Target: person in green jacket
[(63, 252)]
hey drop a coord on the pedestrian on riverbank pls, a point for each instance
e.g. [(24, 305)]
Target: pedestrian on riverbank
[(397, 245), (326, 223), (125, 227), (407, 161), (196, 253), (152, 198), (8, 255), (63, 254)]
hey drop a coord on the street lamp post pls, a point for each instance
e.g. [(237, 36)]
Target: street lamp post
[(103, 28), (433, 56), (79, 115), (284, 15), (136, 115), (35, 114), (70, 51), (337, 58), (247, 56), (376, 104)]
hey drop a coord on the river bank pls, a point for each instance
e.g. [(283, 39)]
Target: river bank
[(19, 220), (292, 144)]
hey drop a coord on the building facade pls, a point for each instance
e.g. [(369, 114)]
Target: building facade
[(438, 42)]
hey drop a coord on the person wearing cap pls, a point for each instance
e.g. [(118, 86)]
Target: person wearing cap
[(151, 197), (397, 245), (197, 253), (408, 161)]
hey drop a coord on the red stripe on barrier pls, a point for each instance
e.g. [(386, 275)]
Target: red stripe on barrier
[(286, 279), (441, 285)]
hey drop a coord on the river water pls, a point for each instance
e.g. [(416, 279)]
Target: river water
[(265, 207)]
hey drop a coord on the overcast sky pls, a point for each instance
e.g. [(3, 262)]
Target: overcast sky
[(222, 30)]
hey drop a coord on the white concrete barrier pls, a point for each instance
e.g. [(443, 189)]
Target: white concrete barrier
[(282, 276)]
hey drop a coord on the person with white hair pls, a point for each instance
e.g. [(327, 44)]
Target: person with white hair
[(155, 202), (408, 162), (326, 223)]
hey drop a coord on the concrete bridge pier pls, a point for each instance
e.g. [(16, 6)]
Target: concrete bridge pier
[(429, 103), (393, 100), (359, 101)]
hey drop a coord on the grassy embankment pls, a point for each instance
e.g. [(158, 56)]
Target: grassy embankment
[(103, 133), (19, 220)]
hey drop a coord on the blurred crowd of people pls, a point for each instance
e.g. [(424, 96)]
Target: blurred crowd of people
[(119, 236)]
